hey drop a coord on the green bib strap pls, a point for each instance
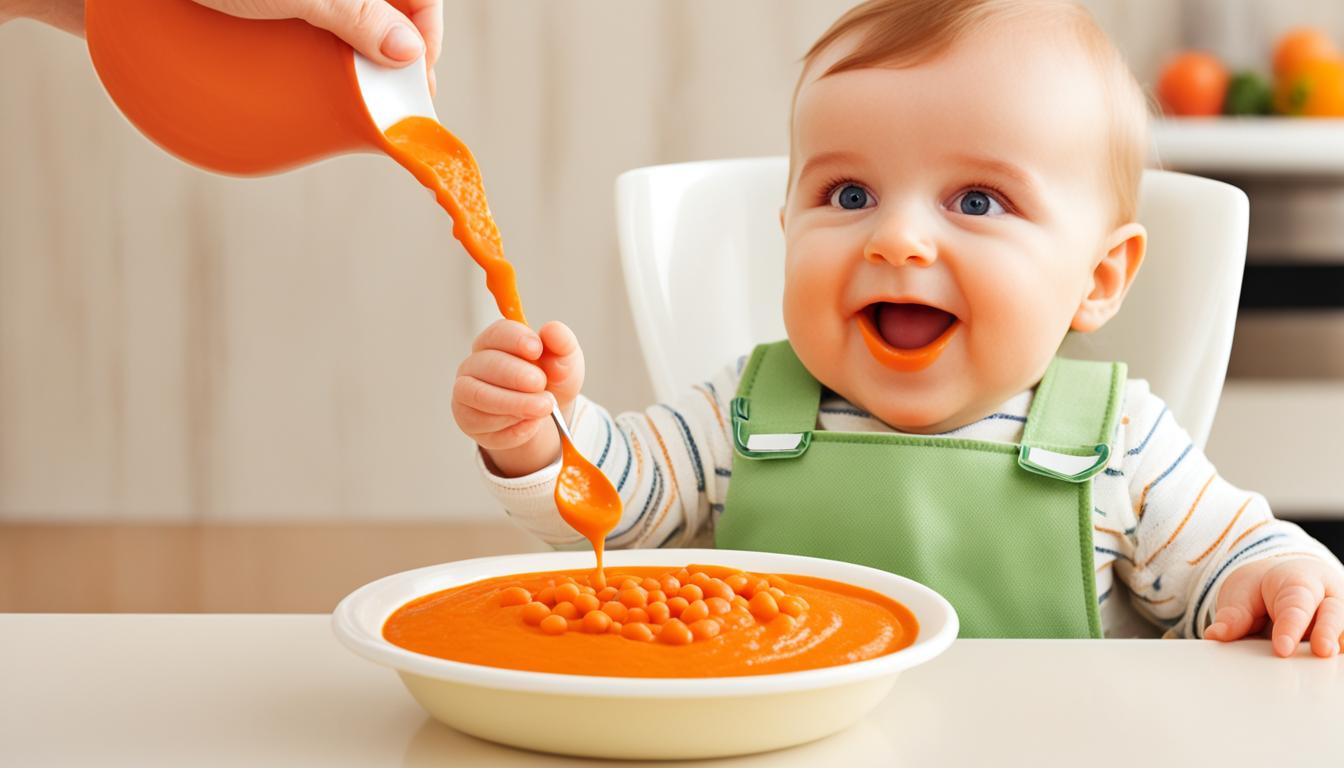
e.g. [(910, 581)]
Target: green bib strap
[(1072, 418), (775, 410)]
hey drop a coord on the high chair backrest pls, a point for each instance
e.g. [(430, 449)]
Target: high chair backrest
[(703, 257)]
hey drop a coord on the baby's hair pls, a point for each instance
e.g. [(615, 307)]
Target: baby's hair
[(904, 33)]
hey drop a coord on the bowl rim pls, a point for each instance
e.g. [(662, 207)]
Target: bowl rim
[(353, 628)]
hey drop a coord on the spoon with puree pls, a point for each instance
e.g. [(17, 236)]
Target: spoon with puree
[(585, 497)]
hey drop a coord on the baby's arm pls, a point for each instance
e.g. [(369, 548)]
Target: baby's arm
[(1187, 529), (670, 464)]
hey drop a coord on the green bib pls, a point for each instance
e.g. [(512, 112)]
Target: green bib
[(1003, 531)]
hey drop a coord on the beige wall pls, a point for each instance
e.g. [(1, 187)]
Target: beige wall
[(181, 346)]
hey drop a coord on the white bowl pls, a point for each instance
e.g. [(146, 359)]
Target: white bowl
[(625, 717)]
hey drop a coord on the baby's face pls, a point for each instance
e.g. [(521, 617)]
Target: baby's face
[(943, 225)]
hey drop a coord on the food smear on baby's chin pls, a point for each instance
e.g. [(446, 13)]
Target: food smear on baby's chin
[(650, 621)]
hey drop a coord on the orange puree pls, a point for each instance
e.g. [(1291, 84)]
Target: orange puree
[(701, 621), (584, 496), (587, 502), (444, 164)]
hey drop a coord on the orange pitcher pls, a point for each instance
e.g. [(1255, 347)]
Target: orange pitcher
[(245, 96)]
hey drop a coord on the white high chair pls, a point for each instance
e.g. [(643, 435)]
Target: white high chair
[(703, 257)]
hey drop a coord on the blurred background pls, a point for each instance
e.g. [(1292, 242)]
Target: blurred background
[(222, 394)]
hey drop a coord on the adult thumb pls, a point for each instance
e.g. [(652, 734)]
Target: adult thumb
[(372, 27)]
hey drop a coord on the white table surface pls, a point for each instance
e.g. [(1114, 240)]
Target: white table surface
[(262, 690)]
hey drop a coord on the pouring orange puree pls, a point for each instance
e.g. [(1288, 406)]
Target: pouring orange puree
[(585, 497), (700, 621)]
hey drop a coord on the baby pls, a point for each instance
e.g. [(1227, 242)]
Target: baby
[(962, 192)]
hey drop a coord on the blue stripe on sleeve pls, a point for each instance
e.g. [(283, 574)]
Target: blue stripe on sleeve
[(629, 460), (607, 446), (675, 532), (1164, 474), (1144, 444), (655, 496), (1208, 585), (690, 445)]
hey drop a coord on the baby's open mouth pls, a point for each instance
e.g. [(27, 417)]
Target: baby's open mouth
[(906, 336), (909, 326)]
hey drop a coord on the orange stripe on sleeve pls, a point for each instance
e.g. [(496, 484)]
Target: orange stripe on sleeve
[(712, 404), (1177, 532), (1218, 540), (673, 486), (1246, 532)]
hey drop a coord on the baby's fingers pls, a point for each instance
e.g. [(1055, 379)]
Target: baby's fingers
[(1325, 636), (482, 396), (1293, 607), (509, 336), (475, 422), (511, 437), (562, 362), (1233, 622), (1241, 610), (503, 370)]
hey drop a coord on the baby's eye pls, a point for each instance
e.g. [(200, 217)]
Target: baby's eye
[(851, 197), (978, 203)]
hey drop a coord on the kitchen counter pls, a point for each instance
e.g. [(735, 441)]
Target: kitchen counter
[(1251, 145), (215, 690)]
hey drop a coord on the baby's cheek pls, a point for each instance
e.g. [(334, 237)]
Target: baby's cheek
[(1016, 328), (813, 312)]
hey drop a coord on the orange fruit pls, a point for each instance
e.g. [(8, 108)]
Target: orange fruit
[(1299, 46), (1193, 84), (1316, 89)]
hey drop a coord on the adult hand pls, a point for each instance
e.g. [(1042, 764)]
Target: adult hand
[(372, 27)]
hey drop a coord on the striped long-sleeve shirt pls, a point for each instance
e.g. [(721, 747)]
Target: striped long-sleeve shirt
[(1167, 529)]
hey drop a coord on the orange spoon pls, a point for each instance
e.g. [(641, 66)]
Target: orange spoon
[(585, 497)]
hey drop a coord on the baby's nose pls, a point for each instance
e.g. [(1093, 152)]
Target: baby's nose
[(898, 242)]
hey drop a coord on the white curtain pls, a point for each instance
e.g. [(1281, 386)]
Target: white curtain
[(176, 345)]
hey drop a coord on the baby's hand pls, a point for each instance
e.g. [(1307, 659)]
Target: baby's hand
[(1291, 593), (501, 398)]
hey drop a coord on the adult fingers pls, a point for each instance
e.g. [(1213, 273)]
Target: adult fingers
[(1329, 627), (503, 370), (509, 336), (1292, 607), (474, 393), (427, 16), (372, 27)]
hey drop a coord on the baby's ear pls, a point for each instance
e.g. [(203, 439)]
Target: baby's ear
[(1112, 276)]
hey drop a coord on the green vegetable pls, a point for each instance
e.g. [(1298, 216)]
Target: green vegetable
[(1248, 94)]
